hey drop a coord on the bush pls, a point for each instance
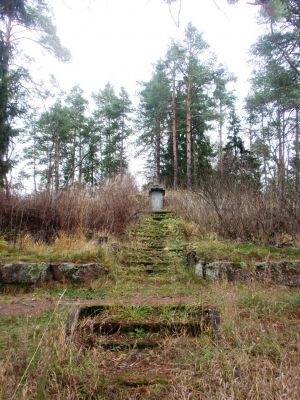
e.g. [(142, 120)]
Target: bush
[(109, 207), (240, 210)]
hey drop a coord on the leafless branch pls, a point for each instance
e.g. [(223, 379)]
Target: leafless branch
[(176, 22)]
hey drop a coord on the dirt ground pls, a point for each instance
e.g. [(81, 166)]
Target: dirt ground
[(38, 305)]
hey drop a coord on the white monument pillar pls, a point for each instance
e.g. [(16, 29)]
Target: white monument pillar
[(157, 194)]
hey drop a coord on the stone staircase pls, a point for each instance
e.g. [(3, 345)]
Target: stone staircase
[(138, 337), (155, 245)]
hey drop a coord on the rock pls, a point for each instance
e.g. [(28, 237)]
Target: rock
[(34, 273), (25, 273), (191, 258), (281, 272), (199, 268), (57, 274), (224, 270), (77, 272), (237, 272), (215, 270), (71, 324)]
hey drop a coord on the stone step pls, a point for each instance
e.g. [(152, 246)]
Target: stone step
[(162, 213), (147, 258), (151, 242), (147, 262), (147, 270), (149, 251), (147, 235), (143, 320)]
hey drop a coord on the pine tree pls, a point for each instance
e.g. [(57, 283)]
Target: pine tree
[(194, 45), (52, 134), (238, 161), (18, 16), (153, 117), (275, 96), (111, 122), (224, 100), (79, 134)]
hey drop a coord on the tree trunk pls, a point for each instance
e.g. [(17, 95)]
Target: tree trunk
[(220, 138), (188, 135), (101, 155), (109, 158), (122, 161), (56, 164), (297, 158), (92, 171), (5, 47), (80, 159), (73, 159), (264, 144), (49, 172), (195, 162), (34, 166), (281, 168), (157, 149), (174, 141)]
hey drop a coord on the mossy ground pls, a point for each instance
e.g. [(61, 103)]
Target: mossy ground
[(257, 355)]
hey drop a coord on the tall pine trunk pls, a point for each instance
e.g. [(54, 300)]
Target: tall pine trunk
[(264, 144), (73, 159), (174, 141), (109, 155), (188, 134), (281, 164), (49, 171), (157, 149), (5, 47), (220, 138), (56, 164), (195, 162), (297, 158), (122, 161), (80, 158), (34, 166)]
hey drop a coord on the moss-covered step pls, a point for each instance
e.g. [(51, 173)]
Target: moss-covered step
[(143, 321), (157, 244)]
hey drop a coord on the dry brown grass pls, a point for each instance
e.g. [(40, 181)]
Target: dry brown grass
[(240, 212), (109, 207)]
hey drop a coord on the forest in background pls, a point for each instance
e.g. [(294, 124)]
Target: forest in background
[(241, 166)]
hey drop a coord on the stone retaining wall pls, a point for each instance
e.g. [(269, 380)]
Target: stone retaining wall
[(279, 272), (35, 273)]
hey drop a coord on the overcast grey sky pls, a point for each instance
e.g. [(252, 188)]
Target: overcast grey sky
[(119, 40)]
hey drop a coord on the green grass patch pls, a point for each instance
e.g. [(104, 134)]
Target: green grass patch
[(212, 250), (264, 304)]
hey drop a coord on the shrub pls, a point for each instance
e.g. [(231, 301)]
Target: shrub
[(109, 207), (237, 210)]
